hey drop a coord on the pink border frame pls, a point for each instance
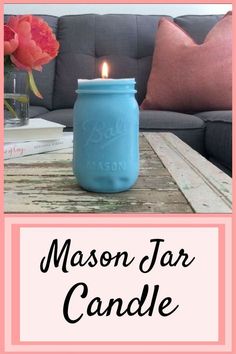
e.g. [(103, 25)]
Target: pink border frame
[(12, 242)]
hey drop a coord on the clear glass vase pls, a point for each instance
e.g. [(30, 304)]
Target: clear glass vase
[(16, 99)]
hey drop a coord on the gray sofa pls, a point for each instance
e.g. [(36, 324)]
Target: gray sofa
[(127, 43)]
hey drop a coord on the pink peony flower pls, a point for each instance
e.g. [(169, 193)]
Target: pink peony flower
[(10, 40), (37, 43)]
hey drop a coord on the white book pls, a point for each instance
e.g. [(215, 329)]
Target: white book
[(37, 129), (13, 150)]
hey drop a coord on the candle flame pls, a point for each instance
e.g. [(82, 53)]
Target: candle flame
[(105, 70)]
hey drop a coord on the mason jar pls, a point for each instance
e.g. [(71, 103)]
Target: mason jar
[(106, 135)]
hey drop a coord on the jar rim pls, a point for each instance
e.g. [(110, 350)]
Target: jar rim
[(105, 86), (107, 82), (106, 91)]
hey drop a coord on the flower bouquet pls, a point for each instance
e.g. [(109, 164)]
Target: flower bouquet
[(29, 43)]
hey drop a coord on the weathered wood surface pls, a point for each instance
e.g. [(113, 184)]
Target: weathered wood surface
[(207, 188), (44, 183)]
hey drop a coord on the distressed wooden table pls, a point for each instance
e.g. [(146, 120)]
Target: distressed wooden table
[(173, 179)]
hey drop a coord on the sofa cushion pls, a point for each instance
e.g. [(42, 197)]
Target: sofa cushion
[(187, 127), (62, 116), (126, 42), (218, 136), (37, 111), (197, 26), (190, 77), (216, 116), (169, 120)]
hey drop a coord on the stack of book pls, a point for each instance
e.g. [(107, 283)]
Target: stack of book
[(37, 137)]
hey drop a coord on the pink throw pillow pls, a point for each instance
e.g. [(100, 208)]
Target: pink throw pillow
[(186, 76)]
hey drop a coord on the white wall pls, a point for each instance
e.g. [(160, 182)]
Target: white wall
[(155, 9)]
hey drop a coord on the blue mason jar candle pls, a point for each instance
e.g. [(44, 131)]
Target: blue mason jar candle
[(106, 135)]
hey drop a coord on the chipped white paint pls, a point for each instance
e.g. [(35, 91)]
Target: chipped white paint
[(44, 183), (207, 188)]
